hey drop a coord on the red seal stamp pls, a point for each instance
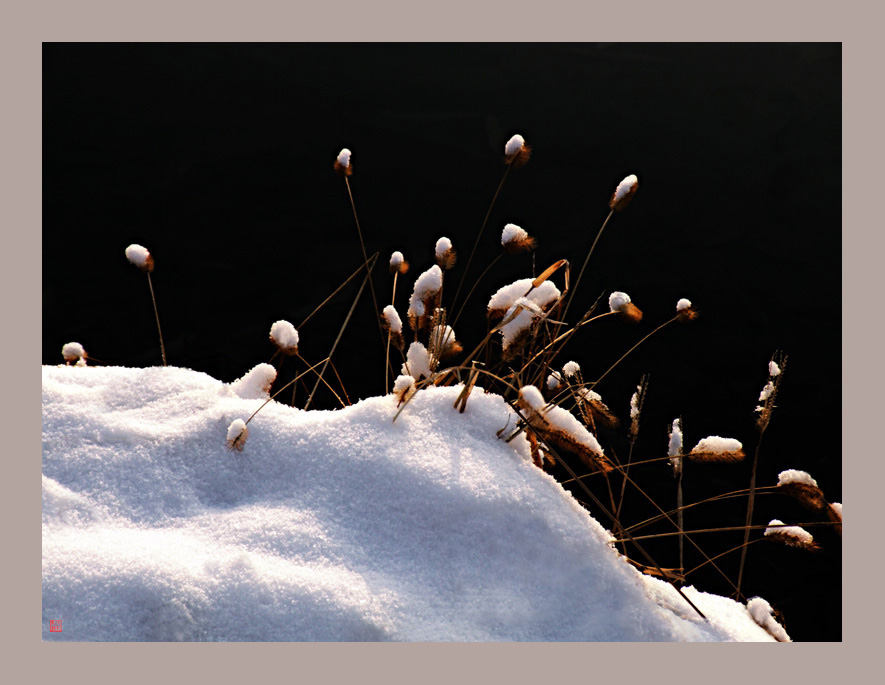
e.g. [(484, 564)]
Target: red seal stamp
[(55, 626)]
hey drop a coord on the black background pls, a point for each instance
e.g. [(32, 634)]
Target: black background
[(218, 159)]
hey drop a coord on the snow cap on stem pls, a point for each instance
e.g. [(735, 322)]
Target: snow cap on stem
[(285, 337), (343, 165), (403, 388), (685, 311), (417, 362), (620, 303), (716, 449), (571, 369), (425, 297), (515, 239), (445, 254), (803, 488), (140, 257), (394, 326), (74, 352), (624, 193), (237, 433), (763, 614), (674, 449), (398, 264), (794, 536), (256, 383), (516, 152)]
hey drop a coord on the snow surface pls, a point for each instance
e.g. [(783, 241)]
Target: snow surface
[(514, 145), (330, 525)]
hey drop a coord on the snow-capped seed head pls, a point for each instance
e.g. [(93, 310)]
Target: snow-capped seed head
[(237, 433), (73, 352), (532, 398), (766, 392), (417, 362), (394, 323), (425, 297), (516, 152), (443, 343), (256, 383), (773, 369), (403, 388), (571, 369), (685, 311), (343, 165), (445, 254), (794, 536), (514, 239), (716, 449), (554, 381), (506, 296), (398, 264), (140, 257), (620, 303), (285, 337), (803, 488), (624, 193), (674, 449), (763, 614), (834, 513)]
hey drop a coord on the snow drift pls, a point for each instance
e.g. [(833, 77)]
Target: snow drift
[(330, 525)]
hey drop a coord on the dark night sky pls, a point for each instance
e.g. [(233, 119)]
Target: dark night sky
[(218, 158)]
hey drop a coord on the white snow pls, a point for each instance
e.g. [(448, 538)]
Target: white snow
[(328, 526), (571, 369), (396, 259), (442, 335), (392, 317), (524, 312), (236, 427), (717, 445), (587, 395), (402, 383), (773, 369), (512, 233), (837, 507), (72, 350), (443, 245), (618, 300), (344, 158), (284, 335), (137, 254), (683, 304), (674, 448), (506, 296), (625, 187), (426, 285), (766, 391), (417, 364), (554, 380), (255, 384), (794, 476), (559, 418), (514, 145), (634, 403), (777, 527), (763, 614)]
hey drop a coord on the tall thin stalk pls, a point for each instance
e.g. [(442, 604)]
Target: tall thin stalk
[(157, 316)]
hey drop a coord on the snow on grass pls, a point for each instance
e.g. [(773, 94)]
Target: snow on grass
[(717, 445), (514, 145), (138, 255), (284, 336), (392, 318), (329, 525), (794, 476), (507, 296), (618, 300), (763, 614)]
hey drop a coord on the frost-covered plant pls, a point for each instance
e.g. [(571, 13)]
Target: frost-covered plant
[(73, 353)]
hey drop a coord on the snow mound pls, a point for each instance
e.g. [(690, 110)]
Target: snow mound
[(329, 525)]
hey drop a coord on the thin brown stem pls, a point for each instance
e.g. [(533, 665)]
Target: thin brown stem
[(586, 261), (479, 235), (337, 290), (666, 323), (473, 287), (157, 316)]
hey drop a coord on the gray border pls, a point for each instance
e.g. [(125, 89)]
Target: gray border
[(642, 20)]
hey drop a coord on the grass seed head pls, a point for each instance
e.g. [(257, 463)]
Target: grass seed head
[(237, 433), (515, 240), (284, 336), (140, 257), (685, 311), (343, 166), (398, 264), (624, 193), (445, 254), (73, 353), (516, 152)]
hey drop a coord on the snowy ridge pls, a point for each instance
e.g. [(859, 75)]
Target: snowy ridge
[(330, 525)]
